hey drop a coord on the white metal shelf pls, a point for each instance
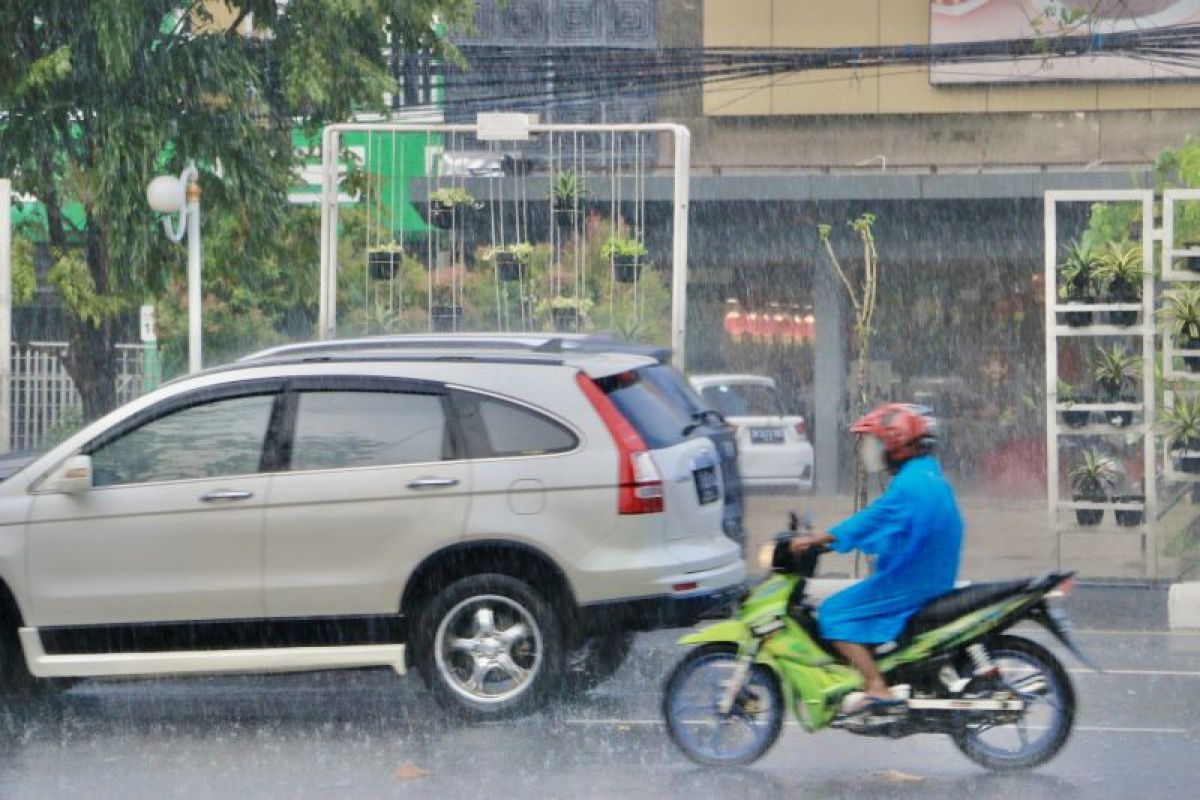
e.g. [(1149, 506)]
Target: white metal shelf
[(1142, 329)]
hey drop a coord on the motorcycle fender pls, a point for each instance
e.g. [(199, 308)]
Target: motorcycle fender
[(730, 630)]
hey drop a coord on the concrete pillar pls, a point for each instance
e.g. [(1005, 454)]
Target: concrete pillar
[(829, 375), (5, 312)]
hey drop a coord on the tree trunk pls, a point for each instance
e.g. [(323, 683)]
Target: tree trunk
[(91, 363)]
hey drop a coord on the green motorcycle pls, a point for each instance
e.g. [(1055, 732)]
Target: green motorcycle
[(1005, 700)]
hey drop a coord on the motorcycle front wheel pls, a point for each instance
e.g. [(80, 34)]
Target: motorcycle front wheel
[(1038, 732), (696, 726)]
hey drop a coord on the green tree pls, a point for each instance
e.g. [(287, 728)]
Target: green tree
[(97, 97)]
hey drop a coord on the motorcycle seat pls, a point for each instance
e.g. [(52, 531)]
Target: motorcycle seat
[(957, 602)]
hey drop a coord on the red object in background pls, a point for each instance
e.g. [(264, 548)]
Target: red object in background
[(735, 323), (1015, 469)]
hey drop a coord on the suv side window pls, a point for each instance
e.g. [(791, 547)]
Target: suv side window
[(218, 438), (495, 428), (341, 429)]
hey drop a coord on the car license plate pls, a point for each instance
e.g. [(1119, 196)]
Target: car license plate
[(707, 488), (766, 435)]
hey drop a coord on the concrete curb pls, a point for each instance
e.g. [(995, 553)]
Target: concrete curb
[(1183, 605)]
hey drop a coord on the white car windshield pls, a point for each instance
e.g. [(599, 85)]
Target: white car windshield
[(744, 399)]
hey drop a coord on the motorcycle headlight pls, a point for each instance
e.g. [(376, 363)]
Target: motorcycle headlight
[(766, 557)]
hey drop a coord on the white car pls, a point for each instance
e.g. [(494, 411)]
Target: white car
[(773, 445), (483, 516)]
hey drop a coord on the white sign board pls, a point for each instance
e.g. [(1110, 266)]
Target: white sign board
[(147, 324)]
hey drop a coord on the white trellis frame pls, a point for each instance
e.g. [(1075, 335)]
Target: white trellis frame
[(511, 127), (1144, 331)]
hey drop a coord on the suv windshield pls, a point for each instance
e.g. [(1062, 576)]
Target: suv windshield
[(743, 399)]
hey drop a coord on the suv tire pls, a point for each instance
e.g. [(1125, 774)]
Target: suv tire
[(489, 647)]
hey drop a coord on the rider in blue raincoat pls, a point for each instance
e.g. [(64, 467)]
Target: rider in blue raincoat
[(914, 530)]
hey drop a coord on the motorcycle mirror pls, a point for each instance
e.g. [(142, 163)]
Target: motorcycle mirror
[(793, 522)]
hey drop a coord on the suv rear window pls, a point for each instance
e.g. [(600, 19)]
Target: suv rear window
[(653, 412)]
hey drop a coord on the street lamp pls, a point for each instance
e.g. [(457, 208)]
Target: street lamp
[(167, 194)]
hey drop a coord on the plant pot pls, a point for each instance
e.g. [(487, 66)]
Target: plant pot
[(626, 268), (1118, 419), (1078, 319), (1123, 292), (384, 265), (566, 320), (508, 267), (1189, 463), (1077, 419), (1129, 519), (445, 317), (1089, 517), (1191, 262), (441, 216), (1190, 363)]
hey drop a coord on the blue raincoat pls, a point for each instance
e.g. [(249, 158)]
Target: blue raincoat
[(915, 530)]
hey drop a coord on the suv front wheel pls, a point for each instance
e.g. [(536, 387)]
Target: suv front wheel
[(489, 646)]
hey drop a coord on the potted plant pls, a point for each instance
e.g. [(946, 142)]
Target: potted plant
[(626, 255), (1118, 271), (1091, 481), (1179, 317), (510, 259), (1075, 277), (1117, 373), (1181, 427), (446, 203), (1067, 396), (384, 262), (569, 313), (567, 192)]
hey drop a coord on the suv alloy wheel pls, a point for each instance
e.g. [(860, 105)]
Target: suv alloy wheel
[(489, 647)]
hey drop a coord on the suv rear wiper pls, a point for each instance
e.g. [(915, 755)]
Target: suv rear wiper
[(700, 417)]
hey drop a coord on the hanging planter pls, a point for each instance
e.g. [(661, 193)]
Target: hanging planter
[(1091, 480), (510, 260), (445, 317), (1118, 271), (568, 314), (1075, 277), (567, 191), (1129, 519), (384, 263), (1180, 424), (447, 205), (626, 256)]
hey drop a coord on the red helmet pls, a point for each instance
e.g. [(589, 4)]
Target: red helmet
[(906, 430)]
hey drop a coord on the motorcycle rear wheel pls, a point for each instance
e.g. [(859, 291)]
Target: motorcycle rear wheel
[(1049, 714), (700, 730)]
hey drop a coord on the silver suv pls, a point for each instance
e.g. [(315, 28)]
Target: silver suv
[(500, 521)]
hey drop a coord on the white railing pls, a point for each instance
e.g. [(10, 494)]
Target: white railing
[(44, 398)]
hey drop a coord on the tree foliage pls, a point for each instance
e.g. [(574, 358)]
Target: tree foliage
[(98, 97)]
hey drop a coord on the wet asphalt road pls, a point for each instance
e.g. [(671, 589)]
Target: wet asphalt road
[(371, 734)]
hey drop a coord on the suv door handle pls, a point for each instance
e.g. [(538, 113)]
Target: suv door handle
[(432, 483), (225, 495)]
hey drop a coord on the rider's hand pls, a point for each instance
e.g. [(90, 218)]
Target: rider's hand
[(806, 540)]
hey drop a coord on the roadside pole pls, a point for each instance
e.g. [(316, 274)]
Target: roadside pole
[(5, 314)]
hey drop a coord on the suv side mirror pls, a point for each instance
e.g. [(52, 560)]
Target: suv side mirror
[(72, 477)]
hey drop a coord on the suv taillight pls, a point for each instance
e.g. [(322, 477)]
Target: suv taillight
[(639, 484)]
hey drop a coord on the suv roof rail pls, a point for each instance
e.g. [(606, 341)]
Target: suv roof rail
[(533, 342)]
